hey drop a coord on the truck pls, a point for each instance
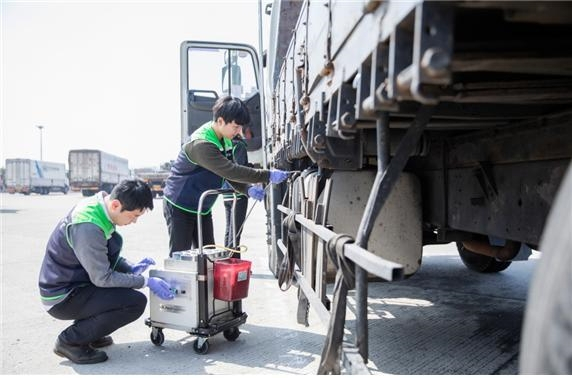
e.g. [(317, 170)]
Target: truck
[(404, 124), (155, 178), (95, 170), (35, 176)]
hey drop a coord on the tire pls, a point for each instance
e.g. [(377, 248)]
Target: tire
[(231, 334), (480, 263), (203, 349), (546, 346), (157, 336)]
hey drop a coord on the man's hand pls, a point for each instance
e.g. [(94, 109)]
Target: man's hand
[(142, 265), (256, 192), (160, 288), (277, 176)]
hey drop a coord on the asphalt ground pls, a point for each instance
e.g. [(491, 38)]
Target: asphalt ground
[(444, 320)]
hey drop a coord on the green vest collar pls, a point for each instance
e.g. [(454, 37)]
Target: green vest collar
[(206, 132), (92, 210)]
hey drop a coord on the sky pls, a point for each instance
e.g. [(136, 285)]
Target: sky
[(104, 74)]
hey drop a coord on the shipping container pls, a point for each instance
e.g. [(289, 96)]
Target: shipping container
[(95, 170), (35, 176)]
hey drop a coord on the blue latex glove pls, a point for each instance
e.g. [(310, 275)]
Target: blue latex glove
[(160, 288), (142, 265), (277, 176), (256, 192)]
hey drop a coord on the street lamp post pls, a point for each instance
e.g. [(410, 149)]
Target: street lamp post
[(41, 143)]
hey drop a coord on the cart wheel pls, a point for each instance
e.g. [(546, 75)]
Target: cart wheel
[(203, 349), (157, 336), (231, 334)]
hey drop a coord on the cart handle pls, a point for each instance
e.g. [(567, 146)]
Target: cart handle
[(204, 195)]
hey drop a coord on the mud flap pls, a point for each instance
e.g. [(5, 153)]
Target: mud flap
[(303, 309)]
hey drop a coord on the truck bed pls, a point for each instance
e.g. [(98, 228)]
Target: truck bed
[(496, 75)]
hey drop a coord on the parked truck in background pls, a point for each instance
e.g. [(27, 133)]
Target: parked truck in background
[(95, 170), (155, 178), (408, 124), (35, 176)]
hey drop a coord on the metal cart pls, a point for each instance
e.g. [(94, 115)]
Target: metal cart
[(196, 308)]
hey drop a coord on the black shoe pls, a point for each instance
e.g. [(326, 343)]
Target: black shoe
[(79, 354), (102, 342)]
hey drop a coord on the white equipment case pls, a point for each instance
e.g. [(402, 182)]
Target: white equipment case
[(195, 309)]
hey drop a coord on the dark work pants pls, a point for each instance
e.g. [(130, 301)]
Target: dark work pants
[(97, 312), (239, 218), (183, 229)]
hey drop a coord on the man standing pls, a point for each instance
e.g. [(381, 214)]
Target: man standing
[(83, 278), (239, 156), (203, 163)]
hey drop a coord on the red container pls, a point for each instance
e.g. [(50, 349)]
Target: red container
[(231, 279)]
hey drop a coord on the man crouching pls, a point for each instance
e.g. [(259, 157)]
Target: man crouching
[(83, 278)]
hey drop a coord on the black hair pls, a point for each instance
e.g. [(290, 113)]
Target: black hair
[(231, 109), (133, 194)]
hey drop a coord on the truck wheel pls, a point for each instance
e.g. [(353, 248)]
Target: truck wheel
[(480, 263), (546, 346)]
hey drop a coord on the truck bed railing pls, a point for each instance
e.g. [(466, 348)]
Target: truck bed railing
[(360, 259)]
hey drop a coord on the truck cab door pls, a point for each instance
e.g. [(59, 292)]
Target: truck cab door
[(210, 70)]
